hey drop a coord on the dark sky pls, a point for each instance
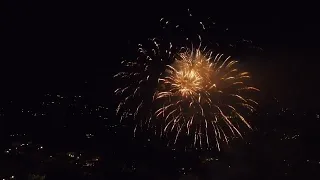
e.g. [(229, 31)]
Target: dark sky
[(60, 46)]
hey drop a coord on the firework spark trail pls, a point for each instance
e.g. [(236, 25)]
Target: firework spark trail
[(185, 91)]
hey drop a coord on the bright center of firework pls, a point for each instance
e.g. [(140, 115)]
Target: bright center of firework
[(187, 82), (187, 77)]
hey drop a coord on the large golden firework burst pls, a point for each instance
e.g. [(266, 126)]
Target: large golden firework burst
[(192, 96), (182, 93)]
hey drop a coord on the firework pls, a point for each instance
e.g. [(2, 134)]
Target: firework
[(185, 91)]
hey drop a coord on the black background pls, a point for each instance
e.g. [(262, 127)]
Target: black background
[(58, 46)]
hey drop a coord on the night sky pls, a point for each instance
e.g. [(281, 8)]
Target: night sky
[(59, 47), (73, 48)]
